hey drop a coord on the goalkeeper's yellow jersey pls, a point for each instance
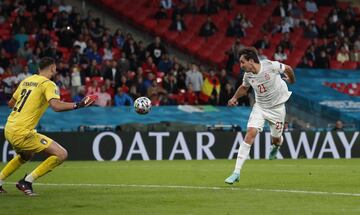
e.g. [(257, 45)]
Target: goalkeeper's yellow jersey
[(32, 99)]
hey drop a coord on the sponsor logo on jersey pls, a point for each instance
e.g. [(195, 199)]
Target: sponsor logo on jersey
[(267, 76)]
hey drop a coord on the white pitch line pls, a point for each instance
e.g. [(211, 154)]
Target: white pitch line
[(201, 188)]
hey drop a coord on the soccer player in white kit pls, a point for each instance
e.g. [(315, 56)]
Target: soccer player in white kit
[(271, 93)]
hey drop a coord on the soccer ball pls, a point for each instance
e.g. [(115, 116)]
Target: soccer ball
[(142, 105)]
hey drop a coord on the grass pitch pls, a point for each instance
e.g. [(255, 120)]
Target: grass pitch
[(190, 187)]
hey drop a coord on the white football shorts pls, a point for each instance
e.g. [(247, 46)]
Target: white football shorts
[(275, 116)]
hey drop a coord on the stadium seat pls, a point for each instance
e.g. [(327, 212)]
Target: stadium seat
[(334, 64), (349, 65)]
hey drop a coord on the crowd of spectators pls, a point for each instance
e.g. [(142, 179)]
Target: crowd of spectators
[(335, 39), (93, 60), (336, 42)]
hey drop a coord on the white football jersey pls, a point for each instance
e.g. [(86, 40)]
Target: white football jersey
[(270, 89)]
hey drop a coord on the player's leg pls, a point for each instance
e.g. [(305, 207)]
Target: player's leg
[(57, 154), (276, 121), (13, 165), (255, 125), (21, 158)]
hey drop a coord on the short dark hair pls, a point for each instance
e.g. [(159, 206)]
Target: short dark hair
[(45, 62), (249, 53)]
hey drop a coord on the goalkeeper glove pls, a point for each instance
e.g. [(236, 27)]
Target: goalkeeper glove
[(86, 101)]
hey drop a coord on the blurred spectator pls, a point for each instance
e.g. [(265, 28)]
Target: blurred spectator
[(324, 31), (156, 49), (104, 99), (81, 43), (191, 97), (208, 28), (233, 54), (161, 14), (280, 54), (107, 52), (165, 64), (149, 67), (148, 81), (343, 55), (304, 63), (240, 21), (295, 11), (21, 37), (269, 26), (339, 126), (95, 31), (80, 94), (25, 52), (263, 43), (23, 74), (234, 30), (11, 45), (356, 50), (223, 78), (130, 47), (93, 88), (52, 51), (311, 30), (122, 99), (109, 88), (280, 10), (4, 61), (284, 27), (261, 55), (123, 64), (322, 61), (118, 39), (124, 84), (210, 7), (226, 94), (311, 6), (167, 4), (112, 73), (66, 35), (285, 43), (155, 89), (141, 53), (310, 54), (195, 78), (64, 7), (226, 5), (190, 7), (75, 80), (92, 53), (170, 83), (178, 24)]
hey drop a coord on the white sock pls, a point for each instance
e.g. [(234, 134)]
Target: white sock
[(29, 178), (243, 153), (1, 182)]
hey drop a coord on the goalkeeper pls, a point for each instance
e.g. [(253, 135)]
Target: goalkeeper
[(29, 102)]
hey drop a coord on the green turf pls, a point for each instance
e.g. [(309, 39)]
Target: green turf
[(257, 193)]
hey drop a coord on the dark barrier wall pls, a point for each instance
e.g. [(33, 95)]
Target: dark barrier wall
[(196, 145)]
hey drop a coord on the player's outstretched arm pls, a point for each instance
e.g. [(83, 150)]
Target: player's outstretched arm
[(289, 74), (241, 91), (59, 106)]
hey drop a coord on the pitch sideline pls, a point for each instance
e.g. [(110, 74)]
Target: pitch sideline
[(201, 188)]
